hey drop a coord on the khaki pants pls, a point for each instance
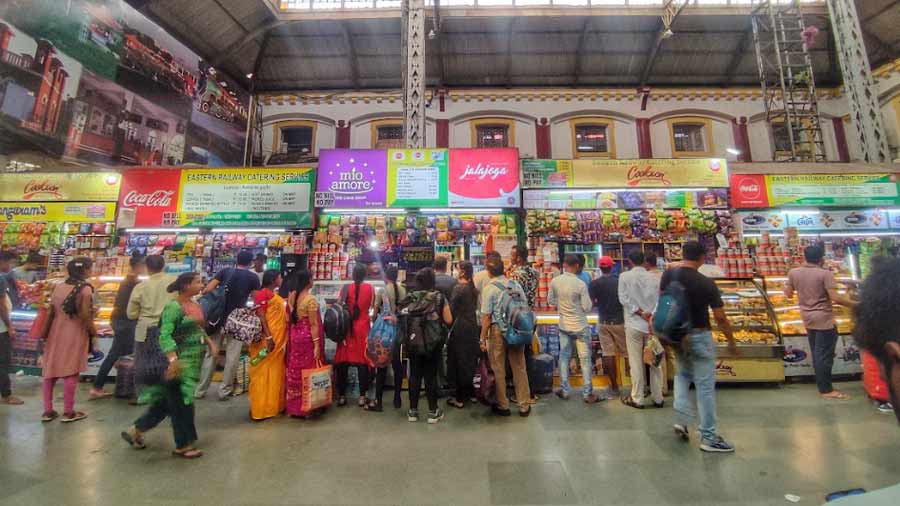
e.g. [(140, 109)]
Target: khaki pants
[(498, 351), (636, 340)]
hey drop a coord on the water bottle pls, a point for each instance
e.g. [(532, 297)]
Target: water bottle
[(263, 353)]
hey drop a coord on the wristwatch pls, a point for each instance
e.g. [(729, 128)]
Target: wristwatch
[(173, 359)]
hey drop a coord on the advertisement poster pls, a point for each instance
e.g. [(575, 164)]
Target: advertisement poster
[(716, 198), (413, 258), (353, 178), (651, 173), (872, 219), (832, 190), (149, 198), (417, 178), (238, 197), (484, 177), (798, 357), (762, 221), (84, 212), (547, 173), (44, 187)]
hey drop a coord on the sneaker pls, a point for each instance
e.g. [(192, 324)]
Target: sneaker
[(682, 431), (435, 416), (885, 407), (718, 444), (412, 415)]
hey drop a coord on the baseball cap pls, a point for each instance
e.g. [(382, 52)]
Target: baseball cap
[(605, 262)]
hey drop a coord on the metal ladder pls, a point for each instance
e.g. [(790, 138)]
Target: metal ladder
[(787, 80)]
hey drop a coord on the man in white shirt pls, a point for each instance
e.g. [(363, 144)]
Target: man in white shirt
[(639, 293), (570, 295)]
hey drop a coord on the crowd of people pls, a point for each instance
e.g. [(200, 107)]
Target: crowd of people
[(157, 318)]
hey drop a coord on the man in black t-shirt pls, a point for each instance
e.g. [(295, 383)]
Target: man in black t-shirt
[(241, 283), (697, 353)]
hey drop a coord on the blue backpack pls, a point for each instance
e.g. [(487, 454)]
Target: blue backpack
[(672, 318), (513, 316)]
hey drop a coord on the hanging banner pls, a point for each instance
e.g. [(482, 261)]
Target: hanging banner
[(81, 212), (651, 173), (547, 173), (149, 198), (833, 190), (352, 178), (61, 186), (484, 177), (417, 178), (244, 197)]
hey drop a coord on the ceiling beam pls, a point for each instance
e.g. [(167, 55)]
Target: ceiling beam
[(227, 12), (739, 54), (579, 52), (231, 50), (521, 31), (515, 53), (260, 56), (509, 51), (667, 19), (352, 60)]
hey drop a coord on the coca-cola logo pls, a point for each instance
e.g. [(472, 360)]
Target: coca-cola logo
[(482, 171), (158, 198), (43, 187), (636, 175), (749, 189)]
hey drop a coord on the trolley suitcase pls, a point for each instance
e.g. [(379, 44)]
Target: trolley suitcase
[(540, 373), (874, 383), (125, 378)]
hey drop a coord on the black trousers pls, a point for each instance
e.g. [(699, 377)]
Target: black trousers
[(362, 373), (181, 415), (122, 345), (5, 362), (424, 368), (381, 377)]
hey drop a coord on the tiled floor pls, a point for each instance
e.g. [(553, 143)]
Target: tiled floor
[(789, 442)]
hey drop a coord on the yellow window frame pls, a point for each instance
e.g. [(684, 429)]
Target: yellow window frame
[(706, 123), (609, 123), (510, 125), (276, 132)]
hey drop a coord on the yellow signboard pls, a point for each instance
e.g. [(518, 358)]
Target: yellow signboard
[(81, 212), (651, 173), (61, 186)]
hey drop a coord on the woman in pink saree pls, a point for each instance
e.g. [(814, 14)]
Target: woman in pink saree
[(305, 347)]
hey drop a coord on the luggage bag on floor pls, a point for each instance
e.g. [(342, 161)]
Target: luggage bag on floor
[(540, 373), (125, 378), (873, 381)]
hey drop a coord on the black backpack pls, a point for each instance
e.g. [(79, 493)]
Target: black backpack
[(421, 323), (337, 319)]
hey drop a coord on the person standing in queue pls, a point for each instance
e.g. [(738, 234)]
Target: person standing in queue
[(605, 293), (639, 294), (267, 372), (493, 343), (443, 282), (123, 328), (527, 277), (259, 265), (146, 303), (182, 339), (462, 347), (306, 345), (241, 282), (351, 352), (817, 291), (394, 292), (570, 296), (69, 330), (696, 355), (7, 332)]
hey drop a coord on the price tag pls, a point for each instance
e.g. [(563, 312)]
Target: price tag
[(324, 199)]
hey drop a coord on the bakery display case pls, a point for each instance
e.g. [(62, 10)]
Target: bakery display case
[(797, 353), (760, 348)]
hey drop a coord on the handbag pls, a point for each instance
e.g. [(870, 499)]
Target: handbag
[(382, 335), (151, 363), (653, 352), (484, 383), (244, 325), (318, 390)]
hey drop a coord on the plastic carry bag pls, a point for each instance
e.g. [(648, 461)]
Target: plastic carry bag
[(317, 390)]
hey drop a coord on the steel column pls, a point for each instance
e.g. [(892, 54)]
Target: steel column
[(414, 76), (859, 86)]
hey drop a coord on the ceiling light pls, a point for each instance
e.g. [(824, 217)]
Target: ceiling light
[(733, 151)]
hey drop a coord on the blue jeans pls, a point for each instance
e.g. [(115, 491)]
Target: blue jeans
[(821, 345), (697, 365), (582, 341)]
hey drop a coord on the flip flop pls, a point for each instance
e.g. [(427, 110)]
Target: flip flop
[(94, 397), (836, 396), (134, 440), (191, 453), (49, 416), (73, 417), (12, 401)]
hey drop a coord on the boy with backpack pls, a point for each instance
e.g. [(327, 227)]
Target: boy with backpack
[(682, 318), (505, 333)]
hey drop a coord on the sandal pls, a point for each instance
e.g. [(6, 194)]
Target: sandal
[(363, 402), (342, 401), (836, 396), (49, 416), (73, 417), (373, 406), (628, 401), (134, 439), (96, 395), (456, 404), (190, 453), (12, 400)]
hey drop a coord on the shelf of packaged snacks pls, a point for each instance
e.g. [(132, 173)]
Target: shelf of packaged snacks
[(787, 312)]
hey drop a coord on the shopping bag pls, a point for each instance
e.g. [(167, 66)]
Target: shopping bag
[(381, 341), (317, 390), (484, 383), (242, 375), (653, 352)]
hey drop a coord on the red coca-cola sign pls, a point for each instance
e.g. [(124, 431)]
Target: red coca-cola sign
[(748, 190), (151, 194), (484, 177)]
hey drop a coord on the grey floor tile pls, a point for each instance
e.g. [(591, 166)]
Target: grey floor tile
[(530, 483)]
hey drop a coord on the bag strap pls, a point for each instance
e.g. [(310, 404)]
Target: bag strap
[(386, 302)]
